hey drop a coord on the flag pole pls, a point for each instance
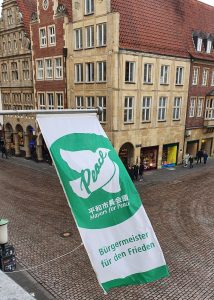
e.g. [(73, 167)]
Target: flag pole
[(97, 110)]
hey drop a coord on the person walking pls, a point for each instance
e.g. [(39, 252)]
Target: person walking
[(205, 157), (199, 155), (3, 151), (186, 159), (190, 161), (141, 170)]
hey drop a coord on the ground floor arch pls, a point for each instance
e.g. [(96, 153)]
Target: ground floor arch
[(126, 153)]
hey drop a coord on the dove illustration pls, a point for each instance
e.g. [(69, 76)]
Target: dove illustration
[(96, 171)]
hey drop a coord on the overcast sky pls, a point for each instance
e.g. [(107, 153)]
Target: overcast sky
[(210, 2)]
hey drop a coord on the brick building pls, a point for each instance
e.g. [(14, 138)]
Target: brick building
[(200, 115), (49, 57)]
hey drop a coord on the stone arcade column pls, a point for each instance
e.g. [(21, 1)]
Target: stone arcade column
[(39, 153), (27, 146), (16, 141)]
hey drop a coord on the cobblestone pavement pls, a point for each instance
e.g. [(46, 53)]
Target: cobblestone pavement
[(180, 205)]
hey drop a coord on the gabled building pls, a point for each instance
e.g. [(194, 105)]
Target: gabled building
[(16, 73), (132, 60), (49, 57), (199, 132)]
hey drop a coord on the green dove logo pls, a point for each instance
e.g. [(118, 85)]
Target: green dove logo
[(96, 170)]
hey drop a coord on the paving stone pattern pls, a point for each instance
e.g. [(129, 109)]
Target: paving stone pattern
[(179, 204)]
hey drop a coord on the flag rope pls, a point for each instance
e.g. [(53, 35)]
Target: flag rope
[(47, 262)]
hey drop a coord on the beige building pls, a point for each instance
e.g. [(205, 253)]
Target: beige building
[(143, 93), (16, 75)]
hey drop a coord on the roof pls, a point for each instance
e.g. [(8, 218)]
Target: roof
[(162, 26), (27, 7)]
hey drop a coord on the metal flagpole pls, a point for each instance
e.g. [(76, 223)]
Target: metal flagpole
[(97, 110)]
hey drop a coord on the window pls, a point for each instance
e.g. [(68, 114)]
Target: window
[(199, 44), (50, 97), (41, 101), (9, 16), (179, 75), (14, 42), (14, 71), (209, 46), (42, 37), (101, 34), (9, 46), (58, 68), (146, 109), (176, 108), (129, 110), (209, 115), (199, 107), (59, 101), (89, 72), (51, 35), (89, 102), (4, 73), (162, 109), (27, 98), (48, 68), (79, 102), (192, 107), (164, 76), (78, 38), (89, 36), (205, 76), (101, 102), (129, 72), (25, 70), (147, 73), (101, 71), (212, 79), (89, 7), (195, 76), (78, 72), (40, 69)]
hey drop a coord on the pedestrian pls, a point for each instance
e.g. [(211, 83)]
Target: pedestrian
[(3, 151), (205, 157), (136, 172), (190, 161), (199, 155), (186, 159), (141, 170), (132, 173)]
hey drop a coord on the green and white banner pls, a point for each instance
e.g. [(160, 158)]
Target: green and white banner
[(107, 208)]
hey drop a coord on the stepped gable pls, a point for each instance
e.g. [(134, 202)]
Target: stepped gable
[(201, 20), (155, 26), (27, 7)]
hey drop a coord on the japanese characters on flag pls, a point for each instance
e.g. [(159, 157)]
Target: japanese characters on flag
[(108, 211)]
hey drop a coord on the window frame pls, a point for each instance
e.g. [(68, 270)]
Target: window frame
[(78, 36), (89, 72), (162, 109), (48, 68), (205, 76), (58, 69), (50, 106), (101, 71), (78, 73), (42, 38), (176, 112), (81, 98), (51, 35), (41, 106), (62, 106), (130, 67), (195, 75), (89, 36), (164, 74), (179, 76), (147, 73), (199, 112), (192, 105), (146, 109), (89, 7), (101, 102), (101, 34), (128, 109), (90, 102)]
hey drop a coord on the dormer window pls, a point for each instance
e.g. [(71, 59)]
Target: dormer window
[(209, 46), (199, 44)]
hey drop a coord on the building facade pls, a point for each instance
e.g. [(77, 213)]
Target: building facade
[(142, 88), (16, 74)]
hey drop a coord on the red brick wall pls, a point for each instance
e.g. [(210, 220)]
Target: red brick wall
[(198, 91), (46, 18)]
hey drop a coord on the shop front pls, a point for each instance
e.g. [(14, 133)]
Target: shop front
[(206, 145), (126, 153), (149, 157), (192, 147), (169, 155)]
